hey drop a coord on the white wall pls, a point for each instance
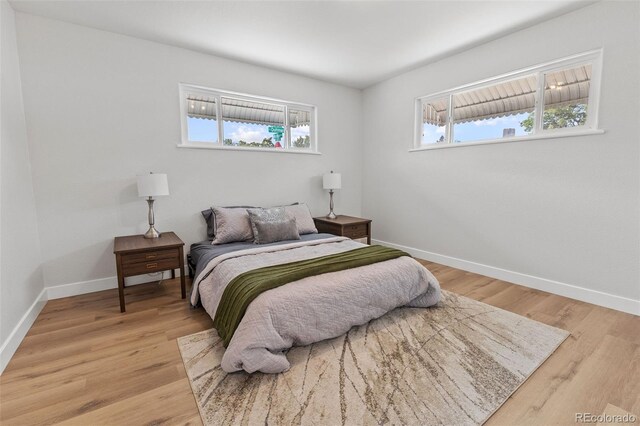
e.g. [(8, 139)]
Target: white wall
[(21, 282), (103, 108), (553, 214), (559, 214)]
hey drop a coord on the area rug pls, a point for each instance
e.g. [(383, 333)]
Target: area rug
[(456, 363)]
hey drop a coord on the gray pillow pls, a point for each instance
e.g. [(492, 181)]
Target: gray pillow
[(210, 218), (272, 225), (232, 224), (211, 222), (304, 220)]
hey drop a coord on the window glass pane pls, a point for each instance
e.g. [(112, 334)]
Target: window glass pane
[(300, 127), (434, 120), (202, 125), (566, 96), (252, 124), (499, 111)]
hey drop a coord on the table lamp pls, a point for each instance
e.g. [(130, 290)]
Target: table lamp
[(152, 185), (331, 181)]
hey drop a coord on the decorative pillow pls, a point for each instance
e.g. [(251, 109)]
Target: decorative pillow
[(304, 221), (271, 225), (231, 225), (210, 218)]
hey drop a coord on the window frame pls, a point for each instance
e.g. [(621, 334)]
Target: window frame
[(218, 94), (593, 58)]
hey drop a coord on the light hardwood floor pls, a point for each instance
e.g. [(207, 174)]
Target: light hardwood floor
[(85, 363)]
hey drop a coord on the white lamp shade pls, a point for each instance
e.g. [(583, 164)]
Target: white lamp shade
[(332, 181), (153, 185)]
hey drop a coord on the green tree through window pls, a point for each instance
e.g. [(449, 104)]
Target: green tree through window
[(302, 142), (559, 118)]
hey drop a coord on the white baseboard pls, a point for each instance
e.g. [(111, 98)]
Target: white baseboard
[(10, 345), (91, 286), (595, 297)]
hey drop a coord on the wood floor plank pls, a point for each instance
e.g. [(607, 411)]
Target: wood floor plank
[(490, 289), (108, 386), (605, 376), (53, 323), (627, 394), (169, 404), (560, 312), (627, 328), (21, 403), (85, 363)]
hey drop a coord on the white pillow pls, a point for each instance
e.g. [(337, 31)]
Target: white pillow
[(302, 215)]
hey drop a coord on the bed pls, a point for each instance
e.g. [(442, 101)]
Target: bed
[(346, 283)]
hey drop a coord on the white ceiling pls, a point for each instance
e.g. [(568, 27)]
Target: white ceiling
[(355, 43)]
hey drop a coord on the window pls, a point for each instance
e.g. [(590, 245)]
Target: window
[(566, 97), (434, 120), (495, 111), (202, 119), (219, 119), (550, 100)]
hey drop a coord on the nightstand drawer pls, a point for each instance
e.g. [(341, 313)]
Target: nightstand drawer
[(355, 231), (150, 266), (149, 256)]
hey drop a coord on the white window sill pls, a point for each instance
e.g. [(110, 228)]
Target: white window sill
[(234, 148), (554, 135)]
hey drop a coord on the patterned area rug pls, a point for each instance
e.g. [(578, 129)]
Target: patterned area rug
[(456, 363)]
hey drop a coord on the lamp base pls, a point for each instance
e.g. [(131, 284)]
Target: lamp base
[(152, 233), (331, 214)]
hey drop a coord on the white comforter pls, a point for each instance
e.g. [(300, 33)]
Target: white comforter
[(311, 309)]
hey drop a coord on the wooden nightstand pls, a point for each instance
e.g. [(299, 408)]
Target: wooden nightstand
[(345, 226), (136, 255)]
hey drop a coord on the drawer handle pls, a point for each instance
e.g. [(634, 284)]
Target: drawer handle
[(152, 265), (151, 256)]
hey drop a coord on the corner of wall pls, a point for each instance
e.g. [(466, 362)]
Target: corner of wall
[(21, 284), (12, 342)]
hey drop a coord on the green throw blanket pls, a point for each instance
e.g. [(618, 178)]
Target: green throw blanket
[(244, 288)]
